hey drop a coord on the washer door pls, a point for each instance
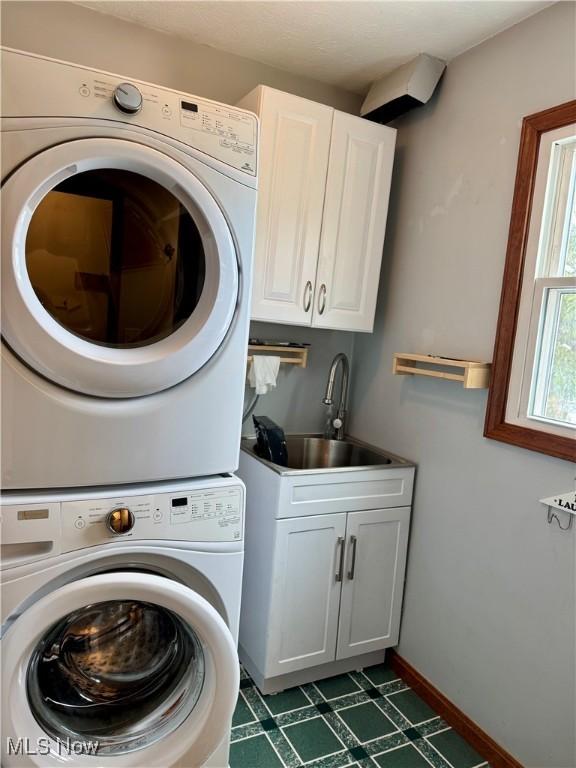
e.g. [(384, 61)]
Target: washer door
[(119, 669), (119, 271)]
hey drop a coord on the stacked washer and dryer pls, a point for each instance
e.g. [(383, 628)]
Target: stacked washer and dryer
[(127, 235)]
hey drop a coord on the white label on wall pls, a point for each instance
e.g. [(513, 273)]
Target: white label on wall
[(563, 501)]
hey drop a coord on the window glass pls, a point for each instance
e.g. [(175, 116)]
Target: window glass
[(570, 249), (557, 249), (554, 396), (553, 380), (118, 674), (115, 258)]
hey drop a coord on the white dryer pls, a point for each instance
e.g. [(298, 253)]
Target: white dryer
[(127, 237), (120, 615)]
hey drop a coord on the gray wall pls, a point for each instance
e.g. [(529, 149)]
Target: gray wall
[(83, 36), (489, 609), (296, 403)]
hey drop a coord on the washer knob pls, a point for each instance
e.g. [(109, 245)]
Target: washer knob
[(120, 521), (128, 98)]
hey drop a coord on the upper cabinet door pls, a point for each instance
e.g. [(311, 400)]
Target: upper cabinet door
[(294, 149), (373, 582), (355, 209)]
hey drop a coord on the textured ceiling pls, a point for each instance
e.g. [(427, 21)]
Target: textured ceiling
[(347, 43)]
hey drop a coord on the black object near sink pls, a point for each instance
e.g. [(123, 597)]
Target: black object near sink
[(270, 441)]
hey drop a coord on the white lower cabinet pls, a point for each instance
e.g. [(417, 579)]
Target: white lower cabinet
[(324, 564), (338, 582), (336, 585)]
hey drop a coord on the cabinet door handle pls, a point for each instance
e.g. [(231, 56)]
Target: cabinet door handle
[(353, 544), (340, 545), (307, 296), (322, 299)]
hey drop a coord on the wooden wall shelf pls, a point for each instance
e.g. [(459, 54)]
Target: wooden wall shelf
[(288, 355), (473, 374)]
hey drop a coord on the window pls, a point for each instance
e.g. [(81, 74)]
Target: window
[(532, 399)]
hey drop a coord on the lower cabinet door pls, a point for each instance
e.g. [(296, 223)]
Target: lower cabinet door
[(371, 602), (309, 565)]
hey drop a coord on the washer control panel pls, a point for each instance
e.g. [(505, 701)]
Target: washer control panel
[(57, 89), (40, 525), (195, 515)]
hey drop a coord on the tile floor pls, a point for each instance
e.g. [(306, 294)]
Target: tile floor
[(369, 719)]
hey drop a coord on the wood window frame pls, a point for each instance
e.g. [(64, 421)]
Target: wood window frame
[(496, 426)]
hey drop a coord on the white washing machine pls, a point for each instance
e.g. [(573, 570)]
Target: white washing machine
[(120, 615), (127, 236)]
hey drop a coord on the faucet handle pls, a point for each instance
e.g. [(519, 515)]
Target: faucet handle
[(337, 423)]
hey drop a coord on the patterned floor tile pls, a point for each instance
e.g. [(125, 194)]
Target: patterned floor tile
[(455, 750), (411, 706), (392, 713), (367, 722), (256, 752), (431, 727), (333, 687), (294, 698), (367, 719), (242, 714), (313, 739), (402, 757), (380, 674), (432, 755), (284, 749), (256, 704)]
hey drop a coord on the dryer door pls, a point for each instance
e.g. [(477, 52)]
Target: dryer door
[(119, 271), (119, 669)]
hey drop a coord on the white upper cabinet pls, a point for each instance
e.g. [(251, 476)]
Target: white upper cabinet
[(294, 148), (354, 223), (324, 182)]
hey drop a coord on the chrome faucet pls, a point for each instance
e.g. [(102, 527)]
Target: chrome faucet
[(336, 429)]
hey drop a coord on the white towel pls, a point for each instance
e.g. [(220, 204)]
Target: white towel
[(263, 373)]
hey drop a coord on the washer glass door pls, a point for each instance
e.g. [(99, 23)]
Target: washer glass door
[(110, 672), (119, 271), (115, 664)]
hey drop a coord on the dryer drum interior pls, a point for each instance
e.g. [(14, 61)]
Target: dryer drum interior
[(122, 673), (115, 258)]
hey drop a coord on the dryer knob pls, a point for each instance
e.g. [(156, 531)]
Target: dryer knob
[(128, 98), (120, 521)]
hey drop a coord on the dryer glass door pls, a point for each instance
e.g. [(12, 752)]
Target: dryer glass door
[(115, 258), (119, 270), (114, 664)]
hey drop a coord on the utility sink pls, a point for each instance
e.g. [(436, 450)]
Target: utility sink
[(312, 453)]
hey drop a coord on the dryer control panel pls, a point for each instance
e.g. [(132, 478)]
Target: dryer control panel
[(34, 86), (35, 527)]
